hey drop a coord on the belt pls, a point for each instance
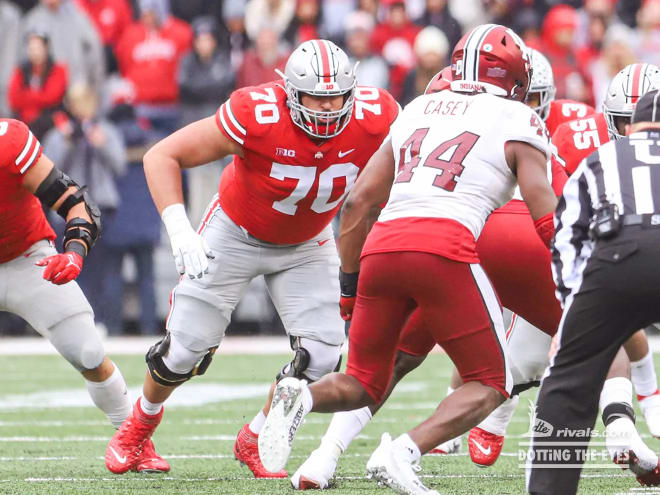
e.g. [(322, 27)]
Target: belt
[(646, 219)]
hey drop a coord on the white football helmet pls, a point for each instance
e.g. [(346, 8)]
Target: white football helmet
[(319, 68), (543, 82), (626, 88)]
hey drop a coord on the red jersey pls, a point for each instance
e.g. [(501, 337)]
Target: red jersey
[(287, 187), (564, 111), (22, 220), (577, 139)]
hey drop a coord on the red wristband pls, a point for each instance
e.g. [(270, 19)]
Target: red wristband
[(545, 228)]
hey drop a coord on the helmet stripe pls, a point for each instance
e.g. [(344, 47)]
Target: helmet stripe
[(324, 57), (637, 83), (332, 61), (472, 48)]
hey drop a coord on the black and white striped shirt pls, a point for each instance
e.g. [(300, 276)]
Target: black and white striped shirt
[(624, 172)]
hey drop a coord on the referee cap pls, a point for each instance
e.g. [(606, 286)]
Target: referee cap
[(648, 108)]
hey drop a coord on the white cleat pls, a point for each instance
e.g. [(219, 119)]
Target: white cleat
[(650, 407), (389, 467), (316, 472), (285, 416), (452, 446), (622, 437)]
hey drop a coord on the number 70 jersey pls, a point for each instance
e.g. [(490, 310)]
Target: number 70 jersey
[(449, 156), (287, 187)]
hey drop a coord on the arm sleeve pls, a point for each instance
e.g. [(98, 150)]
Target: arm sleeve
[(20, 148), (572, 246)]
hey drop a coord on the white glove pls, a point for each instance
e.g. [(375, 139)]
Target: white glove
[(190, 250)]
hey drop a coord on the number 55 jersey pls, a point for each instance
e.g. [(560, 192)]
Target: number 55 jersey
[(287, 187), (451, 171)]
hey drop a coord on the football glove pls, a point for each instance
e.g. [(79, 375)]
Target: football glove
[(348, 286), (61, 268), (190, 250)]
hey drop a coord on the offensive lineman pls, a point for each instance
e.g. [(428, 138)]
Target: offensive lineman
[(421, 256), (298, 145), (49, 299)]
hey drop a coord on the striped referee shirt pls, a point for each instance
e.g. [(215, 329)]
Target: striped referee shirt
[(625, 172)]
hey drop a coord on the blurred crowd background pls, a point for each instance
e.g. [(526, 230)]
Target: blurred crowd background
[(99, 81)]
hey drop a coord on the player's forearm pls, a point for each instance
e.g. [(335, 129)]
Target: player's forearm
[(163, 175), (356, 222)]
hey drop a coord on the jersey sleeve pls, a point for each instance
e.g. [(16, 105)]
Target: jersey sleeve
[(19, 148), (526, 126), (232, 117)]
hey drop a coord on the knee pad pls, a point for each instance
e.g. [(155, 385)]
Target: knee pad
[(77, 340), (171, 364), (312, 359)]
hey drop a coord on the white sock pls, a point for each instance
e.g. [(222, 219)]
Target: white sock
[(642, 374), (307, 399), (618, 389), (150, 408), (344, 427), (410, 449), (498, 420), (111, 397), (257, 422)]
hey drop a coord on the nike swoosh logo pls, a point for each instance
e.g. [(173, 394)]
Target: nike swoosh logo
[(342, 154), (323, 242), (122, 460), (481, 447)]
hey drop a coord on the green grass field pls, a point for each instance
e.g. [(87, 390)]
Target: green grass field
[(59, 450)]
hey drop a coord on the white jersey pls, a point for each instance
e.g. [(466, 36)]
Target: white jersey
[(449, 156)]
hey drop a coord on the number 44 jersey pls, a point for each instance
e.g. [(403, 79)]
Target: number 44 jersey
[(450, 165), (287, 187)]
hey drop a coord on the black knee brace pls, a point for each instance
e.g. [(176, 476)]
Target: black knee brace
[(162, 374)]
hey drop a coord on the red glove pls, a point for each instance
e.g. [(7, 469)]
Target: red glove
[(346, 305), (61, 268), (348, 285)]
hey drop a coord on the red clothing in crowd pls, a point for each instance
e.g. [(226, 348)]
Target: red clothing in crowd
[(395, 45), (253, 71), (110, 17), (384, 33), (150, 59), (28, 98)]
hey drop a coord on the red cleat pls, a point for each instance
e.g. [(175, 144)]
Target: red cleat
[(149, 461), (126, 446), (246, 451), (484, 447)]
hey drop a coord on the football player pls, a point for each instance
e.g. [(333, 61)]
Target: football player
[(507, 245), (298, 144), (445, 169), (38, 283)]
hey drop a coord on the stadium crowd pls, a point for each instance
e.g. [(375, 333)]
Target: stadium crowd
[(99, 81)]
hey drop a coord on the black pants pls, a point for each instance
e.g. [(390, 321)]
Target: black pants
[(619, 294)]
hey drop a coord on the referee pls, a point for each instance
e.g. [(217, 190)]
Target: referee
[(606, 264)]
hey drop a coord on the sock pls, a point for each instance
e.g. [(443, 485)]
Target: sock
[(618, 389), (257, 422), (150, 408), (450, 390), (344, 427), (642, 374), (498, 420), (408, 447), (307, 399), (111, 397)]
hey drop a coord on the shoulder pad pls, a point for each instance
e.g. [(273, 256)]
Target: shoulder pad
[(374, 109)]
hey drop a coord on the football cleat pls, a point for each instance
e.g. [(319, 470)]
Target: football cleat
[(125, 447), (484, 447), (628, 450), (317, 471), (149, 461), (650, 406), (646, 475), (285, 417), (246, 451), (452, 446), (389, 466)]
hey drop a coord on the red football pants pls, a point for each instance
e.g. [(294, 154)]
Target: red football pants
[(455, 304), (518, 265)]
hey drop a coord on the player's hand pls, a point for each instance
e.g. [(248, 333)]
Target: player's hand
[(191, 253), (348, 286), (61, 268)]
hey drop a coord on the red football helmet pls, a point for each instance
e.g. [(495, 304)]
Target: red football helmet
[(492, 59), (439, 82)]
